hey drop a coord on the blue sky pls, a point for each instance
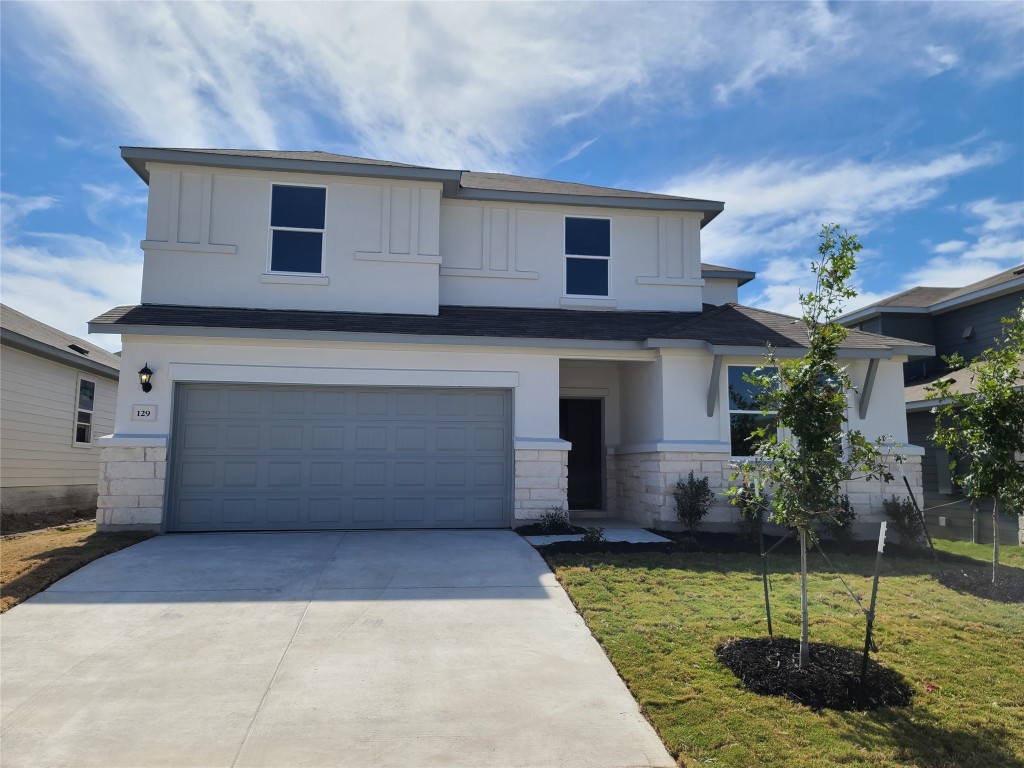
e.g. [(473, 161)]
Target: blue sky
[(902, 121)]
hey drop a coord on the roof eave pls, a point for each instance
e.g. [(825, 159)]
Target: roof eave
[(40, 349), (137, 157), (710, 208), (742, 277)]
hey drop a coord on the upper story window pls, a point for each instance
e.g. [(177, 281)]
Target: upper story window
[(84, 406), (745, 412), (297, 217), (588, 250)]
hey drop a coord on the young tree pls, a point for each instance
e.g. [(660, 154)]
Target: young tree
[(985, 427), (806, 454)]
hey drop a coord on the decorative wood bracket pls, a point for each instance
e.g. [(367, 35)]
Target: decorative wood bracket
[(869, 385), (716, 375)]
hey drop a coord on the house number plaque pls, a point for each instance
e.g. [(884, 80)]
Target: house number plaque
[(143, 413)]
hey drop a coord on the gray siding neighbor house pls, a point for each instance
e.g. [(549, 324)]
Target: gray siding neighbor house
[(966, 320), (57, 396)]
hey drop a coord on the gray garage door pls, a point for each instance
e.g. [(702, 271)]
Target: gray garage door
[(259, 458)]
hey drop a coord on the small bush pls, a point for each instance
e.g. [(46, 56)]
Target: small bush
[(593, 535), (693, 501), (555, 520), (905, 521), (753, 508), (838, 524)]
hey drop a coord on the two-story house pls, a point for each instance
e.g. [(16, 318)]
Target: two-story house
[(967, 320), (334, 342)]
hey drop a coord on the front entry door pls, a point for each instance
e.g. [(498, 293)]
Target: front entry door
[(580, 424)]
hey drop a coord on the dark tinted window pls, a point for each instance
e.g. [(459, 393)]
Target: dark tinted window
[(296, 251), (741, 427), (86, 394), (743, 396), (586, 277), (301, 207), (588, 237)]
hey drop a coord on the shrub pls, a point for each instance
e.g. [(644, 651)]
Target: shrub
[(753, 507), (593, 535), (693, 501), (905, 521), (838, 524), (555, 520)]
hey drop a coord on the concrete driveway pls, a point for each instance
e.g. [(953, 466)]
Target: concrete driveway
[(439, 648)]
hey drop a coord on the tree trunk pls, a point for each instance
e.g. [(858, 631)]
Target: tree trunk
[(995, 538), (805, 646)]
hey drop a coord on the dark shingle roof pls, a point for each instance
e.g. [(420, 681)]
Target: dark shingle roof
[(728, 325), (736, 325), (13, 321), (457, 183), (280, 154), (922, 297), (504, 182)]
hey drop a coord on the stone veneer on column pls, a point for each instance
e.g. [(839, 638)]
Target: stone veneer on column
[(131, 488), (542, 482), (645, 482)]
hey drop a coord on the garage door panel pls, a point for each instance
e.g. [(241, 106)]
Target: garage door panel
[(285, 458)]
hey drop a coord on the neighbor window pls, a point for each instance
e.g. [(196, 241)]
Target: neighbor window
[(588, 250), (745, 411), (83, 412), (297, 217)]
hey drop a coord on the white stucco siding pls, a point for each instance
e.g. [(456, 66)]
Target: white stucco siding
[(719, 291), (533, 377), (38, 398), (497, 254), (381, 243), (886, 413), (641, 403)]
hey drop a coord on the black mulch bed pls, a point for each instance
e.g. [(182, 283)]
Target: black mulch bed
[(1009, 586), (536, 529), (771, 667), (728, 543)]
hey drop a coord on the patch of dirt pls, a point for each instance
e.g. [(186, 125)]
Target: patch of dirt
[(536, 529), (30, 562), (33, 521), (771, 667), (1009, 586)]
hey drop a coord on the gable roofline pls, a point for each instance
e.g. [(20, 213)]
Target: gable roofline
[(937, 300), (19, 331), (456, 184)]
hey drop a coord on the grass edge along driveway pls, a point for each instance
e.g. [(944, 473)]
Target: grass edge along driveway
[(31, 562), (660, 616)]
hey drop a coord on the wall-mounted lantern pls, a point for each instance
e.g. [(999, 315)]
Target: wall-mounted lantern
[(145, 375)]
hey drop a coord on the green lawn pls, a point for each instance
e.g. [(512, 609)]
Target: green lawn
[(659, 618)]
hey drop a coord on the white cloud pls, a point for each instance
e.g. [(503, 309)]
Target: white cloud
[(774, 208), (14, 208), (575, 151), (65, 280), (101, 198), (950, 246), (998, 245), (468, 85), (939, 59)]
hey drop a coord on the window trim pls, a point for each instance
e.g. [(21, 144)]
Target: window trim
[(730, 411), (76, 410), (271, 229), (566, 256)]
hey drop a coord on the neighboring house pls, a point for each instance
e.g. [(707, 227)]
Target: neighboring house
[(347, 343), (965, 320), (57, 395)]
